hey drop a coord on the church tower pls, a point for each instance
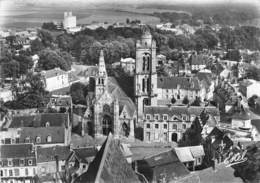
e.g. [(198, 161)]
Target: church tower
[(101, 78), (145, 73)]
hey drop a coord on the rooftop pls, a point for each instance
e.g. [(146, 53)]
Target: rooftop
[(17, 151), (178, 82), (46, 154)]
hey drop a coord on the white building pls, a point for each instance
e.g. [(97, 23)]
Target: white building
[(55, 79), (128, 64), (69, 21), (249, 88)]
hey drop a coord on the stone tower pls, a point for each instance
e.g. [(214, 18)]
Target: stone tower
[(145, 73), (101, 78)]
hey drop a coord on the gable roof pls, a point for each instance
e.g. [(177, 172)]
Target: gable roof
[(184, 154), (173, 82), (109, 165), (82, 154), (46, 154), (256, 124), (16, 151), (166, 163), (57, 134), (53, 73), (180, 110), (199, 59), (40, 120)]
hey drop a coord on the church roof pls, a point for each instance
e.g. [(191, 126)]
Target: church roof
[(173, 83), (109, 165)]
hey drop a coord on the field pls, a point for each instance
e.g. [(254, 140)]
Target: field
[(34, 17)]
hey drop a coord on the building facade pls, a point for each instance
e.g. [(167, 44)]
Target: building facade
[(109, 109), (18, 163)]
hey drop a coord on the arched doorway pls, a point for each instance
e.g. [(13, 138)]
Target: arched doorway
[(107, 125), (174, 137)]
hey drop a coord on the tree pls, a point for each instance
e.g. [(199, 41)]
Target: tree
[(192, 136), (185, 100), (25, 63), (45, 37), (49, 26), (251, 101), (33, 94), (78, 93), (196, 102), (50, 59), (36, 46), (11, 69), (173, 100)]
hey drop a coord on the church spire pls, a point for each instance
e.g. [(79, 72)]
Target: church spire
[(101, 66)]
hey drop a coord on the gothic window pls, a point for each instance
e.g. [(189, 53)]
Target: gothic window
[(38, 140), (106, 125), (148, 84), (144, 62), (106, 108), (125, 129), (143, 85), (148, 63)]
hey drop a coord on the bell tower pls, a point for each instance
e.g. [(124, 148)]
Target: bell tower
[(101, 78), (145, 73)]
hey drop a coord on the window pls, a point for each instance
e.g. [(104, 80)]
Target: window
[(34, 171), (156, 126), (148, 116), (184, 126), (174, 126), (27, 140), (165, 136), (156, 136), (47, 124), (16, 172), (26, 171), (148, 125), (10, 173), (17, 140), (165, 117), (10, 163), (30, 162), (184, 117), (12, 141), (1, 173), (49, 139), (148, 136), (84, 166), (21, 162), (38, 140), (165, 126), (157, 117)]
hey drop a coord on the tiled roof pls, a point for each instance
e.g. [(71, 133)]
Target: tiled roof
[(109, 165), (57, 134), (173, 82), (256, 124), (53, 73), (39, 120), (199, 59), (179, 110), (197, 151), (84, 153), (166, 163), (16, 151), (184, 154), (46, 154)]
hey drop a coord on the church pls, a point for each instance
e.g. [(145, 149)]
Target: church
[(109, 109)]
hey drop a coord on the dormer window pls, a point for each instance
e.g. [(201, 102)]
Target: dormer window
[(10, 162), (47, 124), (30, 162), (38, 140), (157, 117), (184, 117), (148, 116), (165, 117), (21, 162), (49, 139), (27, 140)]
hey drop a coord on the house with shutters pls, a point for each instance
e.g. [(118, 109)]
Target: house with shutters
[(168, 123), (17, 163)]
